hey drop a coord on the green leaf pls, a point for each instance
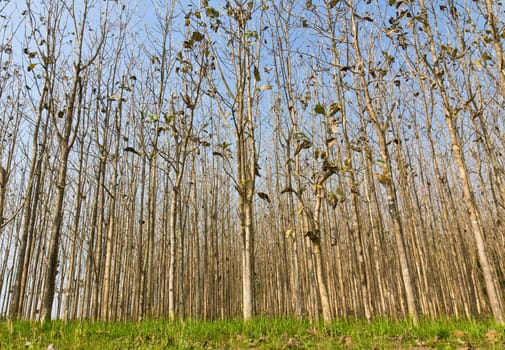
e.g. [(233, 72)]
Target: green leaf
[(319, 109), (340, 192), (384, 179), (305, 144), (333, 3), (300, 135), (486, 57), (211, 12), (334, 108), (257, 74), (153, 117), (478, 64), (197, 36), (252, 34)]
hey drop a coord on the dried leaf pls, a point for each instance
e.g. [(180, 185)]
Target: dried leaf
[(132, 150), (492, 336), (347, 340), (383, 179), (331, 142), (288, 190), (219, 154), (264, 196)]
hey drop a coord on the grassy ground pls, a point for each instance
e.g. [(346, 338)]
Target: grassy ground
[(257, 334)]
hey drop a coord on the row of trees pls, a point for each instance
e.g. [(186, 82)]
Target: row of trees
[(321, 159)]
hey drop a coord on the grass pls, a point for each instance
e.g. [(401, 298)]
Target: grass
[(261, 333)]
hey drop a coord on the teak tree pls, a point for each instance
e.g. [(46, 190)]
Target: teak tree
[(451, 113), (385, 177), (131, 144), (240, 101), (69, 110)]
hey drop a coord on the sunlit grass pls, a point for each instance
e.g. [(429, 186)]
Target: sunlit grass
[(260, 333)]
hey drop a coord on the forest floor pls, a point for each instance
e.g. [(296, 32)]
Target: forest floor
[(262, 333)]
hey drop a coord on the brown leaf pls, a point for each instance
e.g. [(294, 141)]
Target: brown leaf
[(264, 196), (288, 190), (492, 336), (347, 340), (459, 334)]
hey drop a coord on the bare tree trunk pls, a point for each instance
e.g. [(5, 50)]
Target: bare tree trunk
[(497, 38), (65, 145), (30, 206), (4, 178), (476, 224), (50, 282), (315, 237), (72, 285), (386, 177), (172, 253), (468, 194)]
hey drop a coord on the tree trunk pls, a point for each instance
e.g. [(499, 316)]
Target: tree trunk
[(387, 181), (54, 243), (476, 223)]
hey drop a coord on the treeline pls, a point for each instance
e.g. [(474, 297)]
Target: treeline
[(323, 159)]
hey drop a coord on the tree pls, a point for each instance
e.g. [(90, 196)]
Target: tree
[(385, 177), (66, 130), (240, 102), (450, 116)]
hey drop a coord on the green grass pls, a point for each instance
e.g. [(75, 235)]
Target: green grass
[(261, 333)]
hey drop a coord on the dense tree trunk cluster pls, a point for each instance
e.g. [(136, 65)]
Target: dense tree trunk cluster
[(322, 159)]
